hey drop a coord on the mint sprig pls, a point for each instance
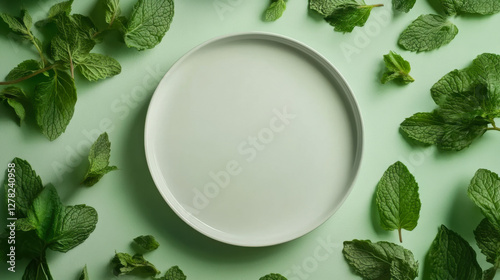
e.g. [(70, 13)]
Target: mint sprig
[(397, 68), (99, 155)]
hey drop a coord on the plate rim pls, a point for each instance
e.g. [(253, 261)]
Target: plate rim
[(347, 94)]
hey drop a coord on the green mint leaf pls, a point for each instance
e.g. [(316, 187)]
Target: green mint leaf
[(15, 97), (45, 212), (484, 70), (60, 8), (148, 24), (488, 240), (24, 69), (484, 191), (482, 7), (346, 16), (125, 264), (84, 275), (427, 32), (98, 66), (451, 257), (37, 269), (403, 5), (374, 261), (55, 103), (29, 245), (490, 273), (173, 273), (146, 243), (73, 41), (273, 276), (99, 160), (28, 186), (326, 7), (111, 10), (275, 10), (20, 25), (396, 68), (74, 226), (397, 199)]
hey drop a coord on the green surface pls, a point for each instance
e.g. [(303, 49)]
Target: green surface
[(129, 204)]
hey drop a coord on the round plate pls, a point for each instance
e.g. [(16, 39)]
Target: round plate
[(253, 139)]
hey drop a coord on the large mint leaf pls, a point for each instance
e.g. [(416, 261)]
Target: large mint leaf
[(55, 101), (99, 155), (488, 240), (483, 7), (346, 16), (148, 24), (98, 66), (484, 191), (427, 32), (397, 199), (374, 261), (452, 258), (326, 7), (27, 186)]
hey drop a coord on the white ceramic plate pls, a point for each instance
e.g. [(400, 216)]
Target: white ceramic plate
[(253, 139)]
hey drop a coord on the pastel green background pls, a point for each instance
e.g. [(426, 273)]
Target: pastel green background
[(129, 204)]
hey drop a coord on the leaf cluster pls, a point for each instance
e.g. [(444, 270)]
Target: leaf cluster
[(43, 222), (468, 102), (70, 51)]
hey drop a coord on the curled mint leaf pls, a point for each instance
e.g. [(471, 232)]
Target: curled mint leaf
[(55, 103), (147, 243), (275, 10), (381, 260), (427, 32), (396, 69), (99, 160), (451, 257), (15, 97), (397, 199), (482, 7), (112, 11), (148, 24), (125, 264)]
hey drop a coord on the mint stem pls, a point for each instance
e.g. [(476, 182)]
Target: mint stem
[(370, 6), (29, 76), (400, 236)]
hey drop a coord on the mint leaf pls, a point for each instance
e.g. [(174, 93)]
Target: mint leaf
[(397, 199), (22, 26), (44, 213), (484, 191), (451, 257), (374, 261), (326, 7), (489, 274), (173, 273), (84, 275), (488, 240), (273, 276), (112, 10), (60, 8), (24, 69), (402, 270), (55, 101), (15, 97), (483, 71), (346, 16), (148, 24), (403, 5), (74, 226), (37, 269), (99, 160), (396, 68), (28, 185), (98, 66), (125, 264), (482, 7), (146, 243), (275, 10), (427, 32)]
